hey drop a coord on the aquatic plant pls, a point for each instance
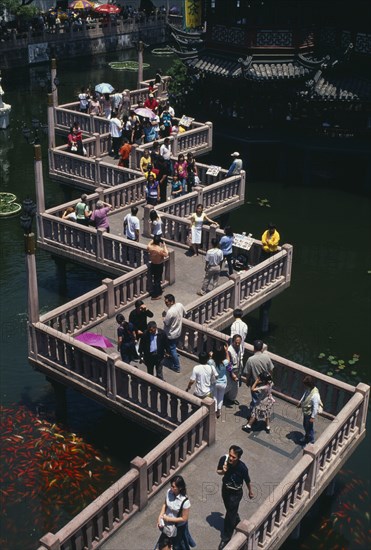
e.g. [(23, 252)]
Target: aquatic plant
[(340, 368), (56, 472), (7, 205), (127, 65)]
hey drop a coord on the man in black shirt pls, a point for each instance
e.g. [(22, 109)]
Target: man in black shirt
[(234, 473), (152, 348), (139, 317)]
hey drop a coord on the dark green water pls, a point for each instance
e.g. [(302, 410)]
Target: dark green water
[(326, 308)]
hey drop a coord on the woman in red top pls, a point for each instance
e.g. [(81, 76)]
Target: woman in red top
[(151, 102), (75, 140), (180, 168)]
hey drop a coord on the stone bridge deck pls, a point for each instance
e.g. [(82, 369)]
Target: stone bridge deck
[(269, 458)]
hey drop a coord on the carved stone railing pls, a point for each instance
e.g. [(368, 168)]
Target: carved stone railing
[(346, 405), (198, 140), (216, 199), (270, 525), (244, 290), (90, 309), (88, 172), (131, 493)]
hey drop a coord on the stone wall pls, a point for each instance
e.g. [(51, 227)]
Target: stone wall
[(32, 50)]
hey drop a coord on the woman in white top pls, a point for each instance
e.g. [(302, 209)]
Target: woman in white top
[(174, 512), (156, 223), (198, 219)]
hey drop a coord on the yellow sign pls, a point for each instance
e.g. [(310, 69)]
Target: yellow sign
[(193, 13)]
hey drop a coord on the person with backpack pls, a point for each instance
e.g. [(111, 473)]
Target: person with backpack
[(311, 405), (126, 339)]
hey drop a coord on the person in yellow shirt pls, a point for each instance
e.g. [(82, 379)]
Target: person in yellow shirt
[(145, 161), (270, 241)]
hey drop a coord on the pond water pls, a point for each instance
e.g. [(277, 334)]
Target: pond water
[(326, 309)]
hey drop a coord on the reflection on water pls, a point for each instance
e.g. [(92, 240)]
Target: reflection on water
[(326, 309)]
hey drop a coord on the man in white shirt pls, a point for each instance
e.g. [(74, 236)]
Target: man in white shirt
[(165, 152), (203, 375), (214, 260), (115, 129), (239, 327), (132, 225), (173, 321)]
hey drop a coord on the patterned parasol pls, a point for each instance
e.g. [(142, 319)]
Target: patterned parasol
[(81, 5)]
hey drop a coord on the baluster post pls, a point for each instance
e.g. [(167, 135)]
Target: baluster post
[(170, 268), (110, 305), (236, 291), (289, 250), (210, 135), (175, 146), (97, 152), (51, 128), (39, 187), (50, 542), (100, 192), (139, 464), (242, 186), (111, 389), (200, 194), (133, 164), (97, 171), (146, 220), (364, 390), (312, 451), (100, 246), (210, 423)]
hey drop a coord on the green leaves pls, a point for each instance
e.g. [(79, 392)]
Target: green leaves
[(263, 202), (339, 367)]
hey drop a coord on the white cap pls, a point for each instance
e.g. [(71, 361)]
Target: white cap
[(235, 154)]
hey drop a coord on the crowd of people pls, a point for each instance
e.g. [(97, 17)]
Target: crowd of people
[(218, 375)]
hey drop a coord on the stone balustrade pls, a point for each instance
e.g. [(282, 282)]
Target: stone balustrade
[(132, 491), (288, 501), (293, 497), (89, 172), (288, 375)]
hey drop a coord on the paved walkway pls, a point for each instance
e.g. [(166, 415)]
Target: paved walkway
[(268, 457), (189, 270)]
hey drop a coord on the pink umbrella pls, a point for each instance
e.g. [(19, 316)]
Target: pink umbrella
[(107, 8), (145, 112), (95, 340)]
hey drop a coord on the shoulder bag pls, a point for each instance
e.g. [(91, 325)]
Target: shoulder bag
[(170, 529)]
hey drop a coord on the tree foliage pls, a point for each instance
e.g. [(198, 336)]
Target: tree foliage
[(17, 7), (179, 78)]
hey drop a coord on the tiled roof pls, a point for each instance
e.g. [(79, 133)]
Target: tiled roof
[(217, 66), (276, 71)]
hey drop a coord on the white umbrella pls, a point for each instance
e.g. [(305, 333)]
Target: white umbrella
[(104, 88), (145, 112)]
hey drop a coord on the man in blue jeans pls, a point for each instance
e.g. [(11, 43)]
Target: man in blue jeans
[(173, 321)]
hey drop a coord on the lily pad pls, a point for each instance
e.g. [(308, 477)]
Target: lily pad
[(9, 209), (126, 65), (329, 373), (321, 355), (331, 357)]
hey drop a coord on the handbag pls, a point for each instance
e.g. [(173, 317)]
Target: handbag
[(189, 238), (170, 529), (74, 147)]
